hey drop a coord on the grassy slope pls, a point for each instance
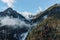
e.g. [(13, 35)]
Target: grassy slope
[(46, 30)]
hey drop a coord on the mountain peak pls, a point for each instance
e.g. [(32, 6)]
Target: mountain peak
[(8, 9)]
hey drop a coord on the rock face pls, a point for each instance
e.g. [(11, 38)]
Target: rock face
[(48, 28)]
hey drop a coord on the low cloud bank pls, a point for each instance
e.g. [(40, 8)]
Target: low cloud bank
[(13, 22)]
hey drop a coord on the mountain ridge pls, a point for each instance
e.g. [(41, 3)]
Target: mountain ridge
[(53, 8)]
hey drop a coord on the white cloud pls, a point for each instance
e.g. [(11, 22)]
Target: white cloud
[(9, 21), (13, 22), (8, 2), (39, 10), (26, 14)]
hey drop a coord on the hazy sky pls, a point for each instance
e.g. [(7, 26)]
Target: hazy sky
[(27, 5)]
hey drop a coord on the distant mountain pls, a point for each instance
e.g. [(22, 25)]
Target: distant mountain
[(12, 25), (48, 27), (12, 13)]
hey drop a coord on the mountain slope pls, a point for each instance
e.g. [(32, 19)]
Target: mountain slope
[(47, 29), (13, 25)]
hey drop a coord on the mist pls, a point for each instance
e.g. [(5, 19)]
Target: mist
[(13, 22)]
